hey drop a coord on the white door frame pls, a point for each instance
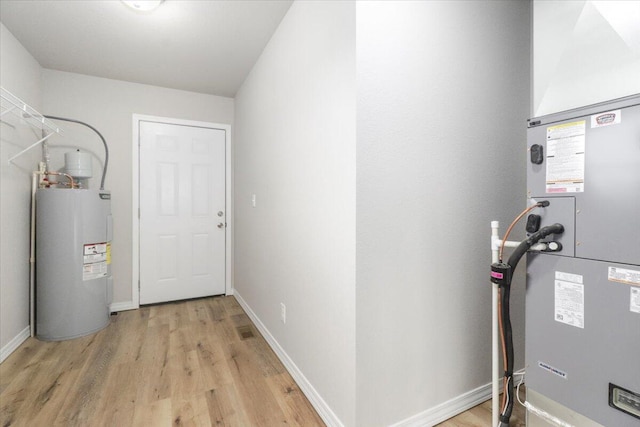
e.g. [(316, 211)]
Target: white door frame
[(135, 202)]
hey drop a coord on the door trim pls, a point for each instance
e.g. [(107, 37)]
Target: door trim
[(135, 202)]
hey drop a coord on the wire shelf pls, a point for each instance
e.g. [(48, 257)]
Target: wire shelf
[(11, 104)]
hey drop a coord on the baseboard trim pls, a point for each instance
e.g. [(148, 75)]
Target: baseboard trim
[(123, 306), (12, 345), (450, 408), (325, 412)]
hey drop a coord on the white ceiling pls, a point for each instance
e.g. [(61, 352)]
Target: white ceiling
[(206, 46)]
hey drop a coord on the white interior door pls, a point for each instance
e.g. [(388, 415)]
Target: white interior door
[(182, 212)]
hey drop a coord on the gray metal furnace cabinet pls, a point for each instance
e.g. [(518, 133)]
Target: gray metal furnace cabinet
[(582, 343)]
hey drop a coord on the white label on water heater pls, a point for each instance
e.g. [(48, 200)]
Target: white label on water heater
[(94, 271), (569, 299), (94, 264), (565, 158), (635, 300)]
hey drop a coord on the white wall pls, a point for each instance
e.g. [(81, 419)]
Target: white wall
[(584, 52), (443, 98), (108, 105), (295, 150), (20, 75)]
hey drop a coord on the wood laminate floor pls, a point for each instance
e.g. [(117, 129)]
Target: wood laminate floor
[(190, 363), (480, 416)]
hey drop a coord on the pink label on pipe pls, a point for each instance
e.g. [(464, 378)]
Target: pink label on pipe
[(497, 275)]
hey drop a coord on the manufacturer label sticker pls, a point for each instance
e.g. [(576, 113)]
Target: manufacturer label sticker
[(606, 119), (553, 370), (624, 275), (569, 299), (94, 270), (95, 259)]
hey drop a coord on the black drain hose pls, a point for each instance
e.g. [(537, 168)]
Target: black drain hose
[(525, 245), (515, 257)]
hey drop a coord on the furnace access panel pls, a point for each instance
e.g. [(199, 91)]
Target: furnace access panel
[(583, 302)]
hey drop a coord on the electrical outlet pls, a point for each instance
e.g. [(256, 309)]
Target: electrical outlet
[(253, 200), (283, 313)]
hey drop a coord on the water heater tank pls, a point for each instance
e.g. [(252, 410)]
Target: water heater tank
[(73, 262)]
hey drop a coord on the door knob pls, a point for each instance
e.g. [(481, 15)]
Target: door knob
[(221, 225), (220, 213)]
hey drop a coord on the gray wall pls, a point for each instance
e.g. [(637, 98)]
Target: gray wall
[(295, 150), (108, 105), (438, 109), (443, 98), (20, 75)]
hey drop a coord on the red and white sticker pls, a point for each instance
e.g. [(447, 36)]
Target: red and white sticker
[(606, 119)]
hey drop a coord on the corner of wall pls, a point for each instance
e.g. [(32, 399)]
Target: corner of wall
[(20, 74)]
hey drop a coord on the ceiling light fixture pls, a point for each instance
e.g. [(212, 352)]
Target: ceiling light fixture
[(143, 5)]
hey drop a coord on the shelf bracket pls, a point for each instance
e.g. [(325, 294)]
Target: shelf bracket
[(8, 111), (30, 147)]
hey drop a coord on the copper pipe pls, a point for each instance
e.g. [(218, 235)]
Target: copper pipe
[(506, 235), (69, 177)]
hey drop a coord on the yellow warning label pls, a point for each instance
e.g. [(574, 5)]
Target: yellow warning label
[(577, 125), (108, 253)]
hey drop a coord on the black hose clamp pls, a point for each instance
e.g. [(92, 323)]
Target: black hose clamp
[(501, 274)]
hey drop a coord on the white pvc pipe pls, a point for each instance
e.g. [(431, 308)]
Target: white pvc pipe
[(32, 255), (508, 244), (32, 258), (512, 244), (495, 349)]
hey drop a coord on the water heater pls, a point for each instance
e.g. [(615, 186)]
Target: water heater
[(73, 262)]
